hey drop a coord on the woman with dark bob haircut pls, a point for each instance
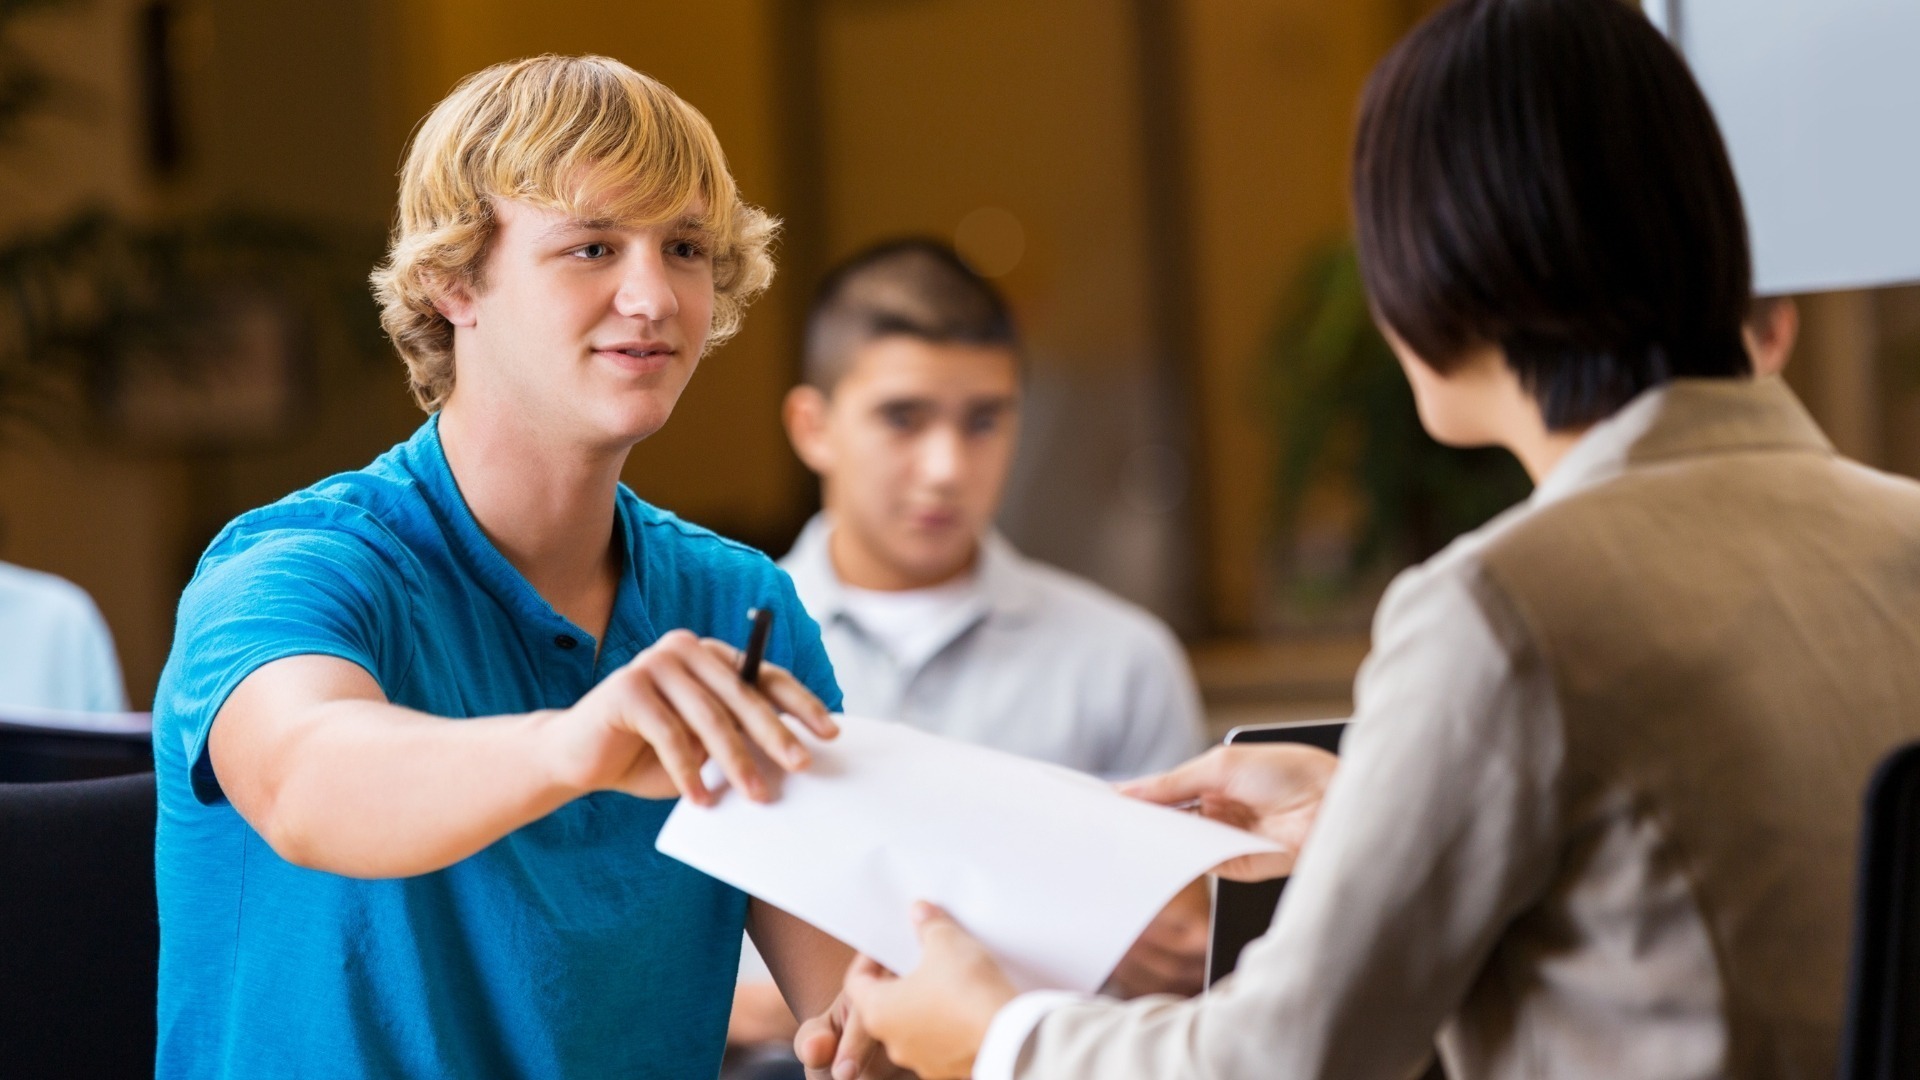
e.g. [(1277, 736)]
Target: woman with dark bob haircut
[(1596, 812)]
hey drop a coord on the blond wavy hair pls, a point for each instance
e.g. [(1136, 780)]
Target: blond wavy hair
[(583, 135)]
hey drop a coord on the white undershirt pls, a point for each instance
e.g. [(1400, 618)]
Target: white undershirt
[(912, 624)]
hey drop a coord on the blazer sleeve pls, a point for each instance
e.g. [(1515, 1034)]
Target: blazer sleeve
[(1438, 828)]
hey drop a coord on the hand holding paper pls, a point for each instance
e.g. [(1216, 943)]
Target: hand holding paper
[(934, 1020), (1272, 790), (1055, 873)]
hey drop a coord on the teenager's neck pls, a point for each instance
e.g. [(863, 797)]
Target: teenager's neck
[(856, 565), (546, 504)]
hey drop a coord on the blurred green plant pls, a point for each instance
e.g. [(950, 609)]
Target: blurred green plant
[(89, 296), (1344, 416), (94, 294)]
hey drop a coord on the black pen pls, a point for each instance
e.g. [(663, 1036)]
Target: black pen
[(756, 645)]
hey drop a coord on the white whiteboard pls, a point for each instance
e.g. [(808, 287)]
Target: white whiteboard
[(1819, 101)]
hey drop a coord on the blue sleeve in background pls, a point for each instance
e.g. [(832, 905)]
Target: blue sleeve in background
[(805, 653)]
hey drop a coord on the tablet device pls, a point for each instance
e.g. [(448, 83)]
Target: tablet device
[(1243, 911)]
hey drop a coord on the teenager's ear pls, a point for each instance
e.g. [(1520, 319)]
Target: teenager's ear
[(455, 303), (805, 414)]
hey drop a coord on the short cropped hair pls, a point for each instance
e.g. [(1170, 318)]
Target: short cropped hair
[(583, 135), (913, 287), (1545, 176)]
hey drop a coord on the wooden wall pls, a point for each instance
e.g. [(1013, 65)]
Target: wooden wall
[(1077, 120)]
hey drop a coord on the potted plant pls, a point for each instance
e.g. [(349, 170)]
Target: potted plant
[(1359, 488)]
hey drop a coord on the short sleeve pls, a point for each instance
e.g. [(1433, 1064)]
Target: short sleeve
[(305, 592), (804, 653)]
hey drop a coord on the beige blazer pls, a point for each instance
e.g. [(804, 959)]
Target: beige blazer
[(1597, 813)]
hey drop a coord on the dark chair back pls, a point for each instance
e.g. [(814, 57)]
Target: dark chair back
[(1882, 1036), (79, 929), (34, 752)]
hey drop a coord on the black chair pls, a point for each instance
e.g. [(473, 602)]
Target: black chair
[(1882, 1035), (39, 751), (79, 960)]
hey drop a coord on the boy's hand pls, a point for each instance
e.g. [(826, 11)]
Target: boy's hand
[(836, 1046), (649, 727)]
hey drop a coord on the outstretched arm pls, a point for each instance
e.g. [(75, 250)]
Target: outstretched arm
[(809, 966), (311, 753)]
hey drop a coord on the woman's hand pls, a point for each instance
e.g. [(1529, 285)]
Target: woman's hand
[(1273, 791), (933, 1020)]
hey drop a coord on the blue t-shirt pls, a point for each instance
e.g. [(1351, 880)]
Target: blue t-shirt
[(569, 948)]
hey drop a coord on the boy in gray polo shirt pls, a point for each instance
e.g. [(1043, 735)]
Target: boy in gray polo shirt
[(908, 413)]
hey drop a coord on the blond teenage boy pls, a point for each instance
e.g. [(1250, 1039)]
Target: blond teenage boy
[(422, 721)]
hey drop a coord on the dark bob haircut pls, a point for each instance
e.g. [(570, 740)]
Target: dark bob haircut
[(913, 287), (1545, 176)]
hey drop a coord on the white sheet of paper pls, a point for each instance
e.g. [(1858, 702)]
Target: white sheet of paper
[(1052, 870)]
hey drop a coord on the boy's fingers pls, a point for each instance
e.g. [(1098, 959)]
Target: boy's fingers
[(791, 696), (778, 686), (750, 710), (867, 967), (712, 723), (866, 980), (814, 1043), (727, 653), (672, 744), (856, 1048)]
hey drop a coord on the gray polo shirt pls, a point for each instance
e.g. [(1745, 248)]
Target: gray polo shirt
[(1037, 662)]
